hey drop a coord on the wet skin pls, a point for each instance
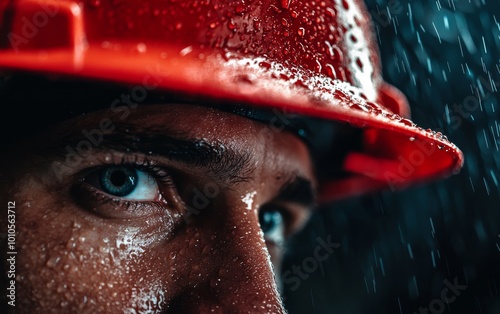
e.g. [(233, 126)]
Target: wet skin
[(187, 239)]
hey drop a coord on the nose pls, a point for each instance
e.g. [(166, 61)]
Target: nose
[(242, 279)]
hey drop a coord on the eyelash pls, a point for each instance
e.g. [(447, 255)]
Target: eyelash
[(88, 194), (142, 163)]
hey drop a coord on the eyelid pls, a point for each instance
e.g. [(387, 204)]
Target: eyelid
[(295, 216), (105, 205)]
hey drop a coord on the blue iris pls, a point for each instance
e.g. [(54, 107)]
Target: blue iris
[(118, 180), (270, 220)]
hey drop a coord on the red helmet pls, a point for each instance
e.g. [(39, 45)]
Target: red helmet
[(313, 58)]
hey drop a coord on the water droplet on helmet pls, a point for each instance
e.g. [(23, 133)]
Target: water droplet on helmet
[(214, 282), (95, 3), (231, 25), (359, 63), (52, 262), (141, 48), (406, 122), (301, 31), (244, 78), (195, 273), (240, 8), (301, 84), (285, 4), (357, 106), (284, 77), (341, 74), (265, 64), (345, 4), (330, 71), (331, 12), (257, 24)]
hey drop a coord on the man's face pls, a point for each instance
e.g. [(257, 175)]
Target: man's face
[(176, 208)]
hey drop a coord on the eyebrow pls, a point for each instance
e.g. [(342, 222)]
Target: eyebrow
[(228, 165), (299, 191)]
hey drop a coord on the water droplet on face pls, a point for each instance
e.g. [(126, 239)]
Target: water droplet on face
[(61, 288), (195, 273), (207, 249), (71, 244), (214, 282), (52, 262), (248, 199)]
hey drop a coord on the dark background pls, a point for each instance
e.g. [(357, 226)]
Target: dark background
[(397, 249)]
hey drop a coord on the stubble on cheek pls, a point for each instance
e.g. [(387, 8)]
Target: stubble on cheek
[(68, 264)]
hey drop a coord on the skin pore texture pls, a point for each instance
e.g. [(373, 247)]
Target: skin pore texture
[(189, 242)]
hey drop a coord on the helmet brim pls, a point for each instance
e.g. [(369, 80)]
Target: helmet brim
[(394, 152)]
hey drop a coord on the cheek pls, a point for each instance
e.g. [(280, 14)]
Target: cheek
[(66, 264)]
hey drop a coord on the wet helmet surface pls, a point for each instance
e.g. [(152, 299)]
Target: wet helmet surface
[(311, 58)]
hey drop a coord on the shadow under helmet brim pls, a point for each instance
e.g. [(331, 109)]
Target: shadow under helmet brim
[(394, 152)]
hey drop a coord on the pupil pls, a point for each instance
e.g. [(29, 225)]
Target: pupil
[(118, 180)]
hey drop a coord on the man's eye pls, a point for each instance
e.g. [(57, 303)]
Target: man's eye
[(273, 224), (125, 182)]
